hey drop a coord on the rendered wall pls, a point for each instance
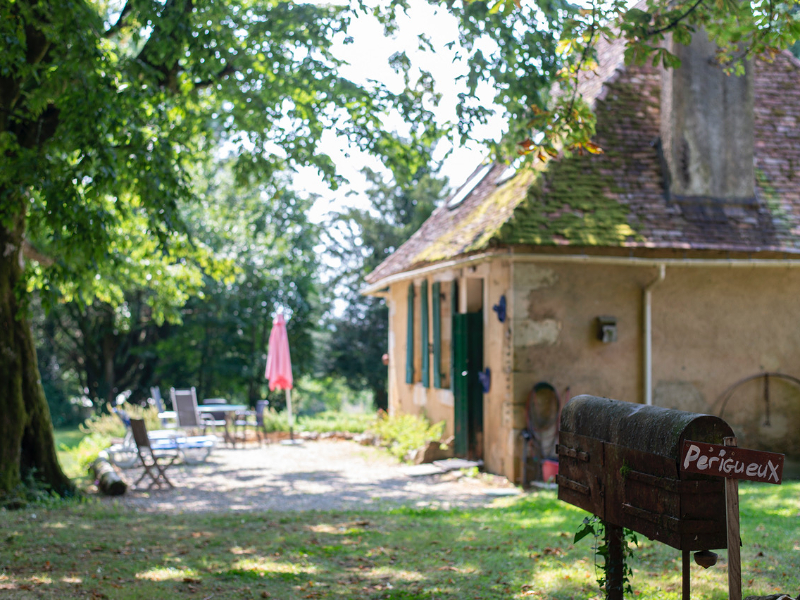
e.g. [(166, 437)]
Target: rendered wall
[(711, 327), (438, 404), (498, 445)]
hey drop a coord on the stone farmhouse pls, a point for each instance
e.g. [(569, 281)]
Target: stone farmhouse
[(664, 271)]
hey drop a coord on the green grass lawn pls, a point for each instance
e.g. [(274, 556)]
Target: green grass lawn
[(520, 548), (68, 437)]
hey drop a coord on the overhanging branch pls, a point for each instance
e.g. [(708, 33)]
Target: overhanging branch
[(674, 23), (229, 70), (30, 252), (120, 22)]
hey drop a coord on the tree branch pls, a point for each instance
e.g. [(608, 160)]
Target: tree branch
[(584, 56), (164, 29), (228, 70), (120, 22), (30, 252), (674, 23)]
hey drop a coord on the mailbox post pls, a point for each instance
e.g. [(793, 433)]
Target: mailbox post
[(732, 463), (667, 474), (621, 462)]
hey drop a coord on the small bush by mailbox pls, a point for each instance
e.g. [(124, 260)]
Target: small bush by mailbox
[(620, 461)]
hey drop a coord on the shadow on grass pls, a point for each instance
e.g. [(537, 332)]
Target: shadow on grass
[(518, 548), (404, 553)]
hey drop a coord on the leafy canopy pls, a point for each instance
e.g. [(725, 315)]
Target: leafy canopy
[(742, 31), (359, 240), (108, 105)]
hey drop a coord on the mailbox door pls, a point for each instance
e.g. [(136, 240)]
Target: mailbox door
[(580, 468), (643, 493)]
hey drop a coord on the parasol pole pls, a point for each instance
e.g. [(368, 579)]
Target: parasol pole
[(289, 410)]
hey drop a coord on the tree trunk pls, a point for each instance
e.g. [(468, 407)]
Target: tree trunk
[(381, 399), (27, 446), (109, 372)]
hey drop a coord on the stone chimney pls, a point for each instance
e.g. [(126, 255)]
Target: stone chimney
[(707, 126)]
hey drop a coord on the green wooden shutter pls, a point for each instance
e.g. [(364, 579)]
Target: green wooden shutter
[(437, 334), (453, 313), (459, 373), (426, 355), (410, 336)]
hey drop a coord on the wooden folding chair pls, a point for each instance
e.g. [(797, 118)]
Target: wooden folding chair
[(155, 462)]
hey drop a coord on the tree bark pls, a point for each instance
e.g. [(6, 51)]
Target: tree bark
[(27, 446), (108, 480)]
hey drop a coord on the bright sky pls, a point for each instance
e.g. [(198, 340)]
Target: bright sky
[(368, 57)]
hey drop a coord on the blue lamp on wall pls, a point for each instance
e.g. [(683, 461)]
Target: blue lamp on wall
[(485, 377), (500, 309)]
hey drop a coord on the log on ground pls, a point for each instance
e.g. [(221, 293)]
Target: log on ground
[(108, 480)]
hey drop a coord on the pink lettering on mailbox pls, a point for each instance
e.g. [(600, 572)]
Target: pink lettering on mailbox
[(732, 462)]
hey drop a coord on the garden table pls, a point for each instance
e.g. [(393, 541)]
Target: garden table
[(228, 409)]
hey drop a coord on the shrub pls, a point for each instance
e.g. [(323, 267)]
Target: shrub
[(275, 421), (336, 421), (403, 433), (110, 425), (76, 460)]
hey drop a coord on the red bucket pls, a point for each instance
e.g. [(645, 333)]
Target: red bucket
[(549, 470)]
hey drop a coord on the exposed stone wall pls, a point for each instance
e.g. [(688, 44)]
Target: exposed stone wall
[(707, 124)]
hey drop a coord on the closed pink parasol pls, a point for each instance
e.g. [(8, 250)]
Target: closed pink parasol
[(279, 363)]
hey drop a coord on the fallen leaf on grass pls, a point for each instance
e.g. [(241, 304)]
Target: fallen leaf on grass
[(191, 580)]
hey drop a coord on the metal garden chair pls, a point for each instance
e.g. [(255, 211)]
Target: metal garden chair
[(185, 404), (254, 418)]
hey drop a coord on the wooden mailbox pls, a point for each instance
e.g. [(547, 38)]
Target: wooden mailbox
[(621, 462)]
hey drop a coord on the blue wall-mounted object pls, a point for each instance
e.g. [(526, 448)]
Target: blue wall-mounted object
[(485, 377), (500, 309)]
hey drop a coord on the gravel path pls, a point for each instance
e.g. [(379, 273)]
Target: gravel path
[(318, 475)]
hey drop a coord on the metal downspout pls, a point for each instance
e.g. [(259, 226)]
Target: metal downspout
[(648, 334)]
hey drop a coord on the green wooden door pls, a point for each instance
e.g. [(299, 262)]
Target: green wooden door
[(467, 391)]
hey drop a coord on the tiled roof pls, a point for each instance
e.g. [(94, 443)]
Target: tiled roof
[(616, 199)]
